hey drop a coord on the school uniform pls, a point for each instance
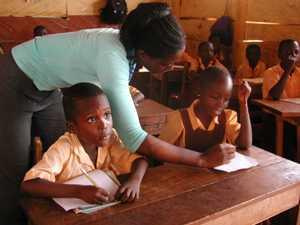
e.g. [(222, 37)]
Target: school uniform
[(246, 71), (185, 129), (66, 157), (272, 76)]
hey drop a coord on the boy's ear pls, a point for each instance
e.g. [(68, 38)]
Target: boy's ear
[(70, 127)]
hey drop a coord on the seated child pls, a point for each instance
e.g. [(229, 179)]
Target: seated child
[(136, 94), (283, 80), (206, 57), (207, 122), (253, 67), (39, 30), (90, 143)]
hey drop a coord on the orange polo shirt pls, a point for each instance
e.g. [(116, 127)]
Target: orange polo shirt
[(273, 75), (66, 156), (245, 71), (174, 132)]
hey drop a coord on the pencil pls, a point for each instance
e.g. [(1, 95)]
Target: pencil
[(88, 177)]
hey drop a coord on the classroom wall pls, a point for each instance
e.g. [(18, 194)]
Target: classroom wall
[(266, 20), (19, 17)]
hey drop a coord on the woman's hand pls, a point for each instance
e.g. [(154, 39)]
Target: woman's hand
[(93, 195), (129, 191)]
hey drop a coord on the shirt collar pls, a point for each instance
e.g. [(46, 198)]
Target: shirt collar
[(196, 122)]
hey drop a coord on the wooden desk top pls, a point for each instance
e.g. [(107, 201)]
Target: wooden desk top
[(282, 108), (175, 195), (149, 107)]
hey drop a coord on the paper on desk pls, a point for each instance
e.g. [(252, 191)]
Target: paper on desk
[(102, 180), (237, 163)]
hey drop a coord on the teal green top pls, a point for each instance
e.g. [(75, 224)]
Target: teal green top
[(94, 55)]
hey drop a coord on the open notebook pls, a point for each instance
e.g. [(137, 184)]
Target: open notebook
[(105, 180)]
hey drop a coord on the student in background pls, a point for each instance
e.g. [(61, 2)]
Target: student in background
[(253, 67), (207, 122), (222, 51), (39, 31), (283, 80), (114, 12), (206, 56), (90, 143)]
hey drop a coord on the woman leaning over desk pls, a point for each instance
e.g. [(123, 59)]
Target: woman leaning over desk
[(35, 70)]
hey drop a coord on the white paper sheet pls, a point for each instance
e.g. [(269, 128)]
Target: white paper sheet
[(237, 163), (102, 180)]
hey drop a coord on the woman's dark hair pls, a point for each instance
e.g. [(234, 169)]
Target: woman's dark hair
[(77, 92), (114, 12), (152, 28)]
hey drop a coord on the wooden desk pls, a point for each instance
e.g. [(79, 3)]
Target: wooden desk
[(283, 111), (152, 115), (176, 195)]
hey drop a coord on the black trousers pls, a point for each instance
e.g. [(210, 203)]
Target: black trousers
[(24, 110)]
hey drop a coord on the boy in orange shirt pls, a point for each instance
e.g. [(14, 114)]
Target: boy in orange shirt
[(207, 122), (283, 80), (89, 144)]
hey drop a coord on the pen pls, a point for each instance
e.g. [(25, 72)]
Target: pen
[(88, 177)]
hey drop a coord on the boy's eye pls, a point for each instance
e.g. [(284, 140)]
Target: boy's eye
[(91, 119), (107, 115)]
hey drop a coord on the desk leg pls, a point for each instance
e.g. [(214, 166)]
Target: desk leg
[(298, 143), (279, 136)]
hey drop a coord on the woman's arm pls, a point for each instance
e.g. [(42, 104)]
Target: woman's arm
[(163, 151)]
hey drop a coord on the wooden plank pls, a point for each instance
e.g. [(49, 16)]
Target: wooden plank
[(198, 29), (85, 7), (206, 8), (39, 8), (272, 32), (279, 136), (285, 12)]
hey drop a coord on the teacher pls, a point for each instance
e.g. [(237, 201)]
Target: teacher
[(30, 100)]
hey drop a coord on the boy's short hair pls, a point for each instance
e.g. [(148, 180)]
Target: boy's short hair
[(77, 92), (37, 31), (204, 79), (284, 43)]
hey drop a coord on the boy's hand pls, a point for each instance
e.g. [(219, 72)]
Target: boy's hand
[(244, 92), (129, 191), (290, 65), (93, 195), (218, 155)]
